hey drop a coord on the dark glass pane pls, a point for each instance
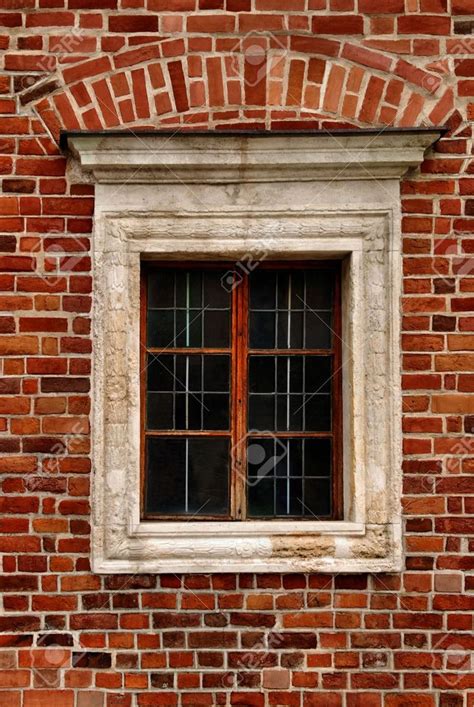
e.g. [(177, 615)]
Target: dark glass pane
[(188, 372), (187, 476), (165, 477), (216, 329), (317, 497), (302, 399), (317, 412), (282, 470), (317, 457), (264, 455), (195, 392), (260, 498), (319, 333), (189, 324), (161, 289), (290, 374), (189, 288), (159, 411), (318, 372), (209, 476), (262, 374), (290, 413), (188, 308), (289, 496), (291, 461), (262, 330), (189, 411), (160, 329), (263, 289), (216, 411), (215, 294), (291, 289), (319, 289), (216, 373), (295, 306), (230, 280), (160, 373), (290, 330), (262, 412)]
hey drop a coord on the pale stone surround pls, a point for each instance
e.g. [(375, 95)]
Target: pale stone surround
[(222, 197)]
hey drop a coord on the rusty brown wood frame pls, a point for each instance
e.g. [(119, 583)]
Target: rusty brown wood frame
[(239, 352)]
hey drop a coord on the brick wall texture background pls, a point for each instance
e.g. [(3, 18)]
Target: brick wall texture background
[(69, 638)]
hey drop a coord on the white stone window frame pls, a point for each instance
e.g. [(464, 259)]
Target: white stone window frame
[(209, 197)]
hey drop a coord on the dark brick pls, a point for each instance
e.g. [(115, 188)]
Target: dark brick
[(130, 581), (7, 244), (97, 661), (162, 681), (19, 623), (10, 445), (296, 639), (44, 445), (55, 639), (65, 385), (469, 424), (10, 386), (464, 27), (443, 323), (37, 91), (444, 285), (18, 583), (18, 186)]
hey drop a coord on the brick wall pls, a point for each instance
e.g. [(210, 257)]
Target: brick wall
[(72, 639)]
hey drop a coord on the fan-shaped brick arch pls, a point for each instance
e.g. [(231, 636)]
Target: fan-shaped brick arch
[(255, 81)]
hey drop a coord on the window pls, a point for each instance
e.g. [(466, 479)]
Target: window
[(241, 391), (297, 198)]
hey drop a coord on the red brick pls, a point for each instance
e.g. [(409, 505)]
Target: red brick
[(382, 7), (133, 23), (315, 45), (331, 654), (211, 23), (322, 699), (462, 7), (342, 24), (86, 69), (46, 698), (175, 69)]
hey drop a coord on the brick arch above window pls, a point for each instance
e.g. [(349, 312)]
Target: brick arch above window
[(315, 82)]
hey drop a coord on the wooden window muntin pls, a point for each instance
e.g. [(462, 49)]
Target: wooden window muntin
[(240, 352)]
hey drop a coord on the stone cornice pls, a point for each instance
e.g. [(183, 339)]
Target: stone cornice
[(217, 159)]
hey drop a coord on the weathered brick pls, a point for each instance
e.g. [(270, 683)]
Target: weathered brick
[(352, 640)]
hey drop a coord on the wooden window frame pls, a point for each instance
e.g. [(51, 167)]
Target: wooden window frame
[(239, 352)]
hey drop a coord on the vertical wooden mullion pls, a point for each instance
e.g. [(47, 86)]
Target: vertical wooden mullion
[(233, 403), (243, 393), (239, 391)]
